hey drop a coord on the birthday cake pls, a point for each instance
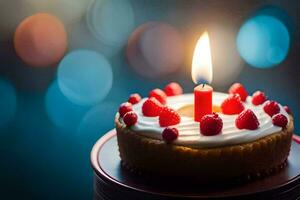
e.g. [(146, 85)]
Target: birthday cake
[(244, 137)]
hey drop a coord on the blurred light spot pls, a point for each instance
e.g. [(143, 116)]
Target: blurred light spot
[(8, 101), (97, 122), (62, 112), (85, 77), (155, 49), (80, 37), (40, 40), (69, 11), (111, 21), (279, 14), (227, 63), (263, 41)]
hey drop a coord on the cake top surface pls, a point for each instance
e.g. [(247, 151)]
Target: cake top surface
[(188, 129)]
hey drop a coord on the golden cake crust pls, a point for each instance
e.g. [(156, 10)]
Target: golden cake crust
[(153, 156)]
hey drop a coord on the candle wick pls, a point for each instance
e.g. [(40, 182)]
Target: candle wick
[(203, 84)]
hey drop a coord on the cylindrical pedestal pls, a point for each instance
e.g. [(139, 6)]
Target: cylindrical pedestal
[(112, 182)]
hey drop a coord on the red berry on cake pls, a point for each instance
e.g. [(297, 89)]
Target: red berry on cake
[(271, 108), (288, 110), (124, 108), (211, 124), (258, 98), (151, 107), (168, 117), (134, 98), (280, 120), (173, 89), (247, 120), (170, 134), (159, 95), (232, 105), (130, 118), (238, 88)]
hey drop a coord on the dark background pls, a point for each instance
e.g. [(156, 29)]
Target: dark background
[(42, 161)]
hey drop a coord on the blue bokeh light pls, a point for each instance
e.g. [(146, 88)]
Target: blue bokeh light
[(8, 101), (85, 77), (279, 14), (263, 41), (111, 21), (62, 112), (96, 122)]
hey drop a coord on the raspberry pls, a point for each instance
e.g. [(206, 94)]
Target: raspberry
[(280, 120), (271, 108), (288, 110), (134, 98), (247, 120), (211, 124), (258, 98), (239, 89), (159, 95), (151, 107), (170, 134), (232, 105), (124, 108), (168, 117), (130, 118), (173, 89)]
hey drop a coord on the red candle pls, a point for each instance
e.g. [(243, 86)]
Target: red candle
[(202, 73), (202, 101)]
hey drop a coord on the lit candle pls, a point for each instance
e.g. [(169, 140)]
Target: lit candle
[(202, 74)]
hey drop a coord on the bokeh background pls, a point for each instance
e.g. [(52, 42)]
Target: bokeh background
[(51, 115)]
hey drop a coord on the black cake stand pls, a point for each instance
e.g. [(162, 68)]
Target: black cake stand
[(112, 182)]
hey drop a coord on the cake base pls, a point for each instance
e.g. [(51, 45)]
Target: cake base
[(112, 181)]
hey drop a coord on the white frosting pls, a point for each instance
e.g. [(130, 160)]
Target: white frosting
[(189, 131)]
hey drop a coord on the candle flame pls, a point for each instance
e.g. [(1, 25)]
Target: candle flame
[(202, 63)]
